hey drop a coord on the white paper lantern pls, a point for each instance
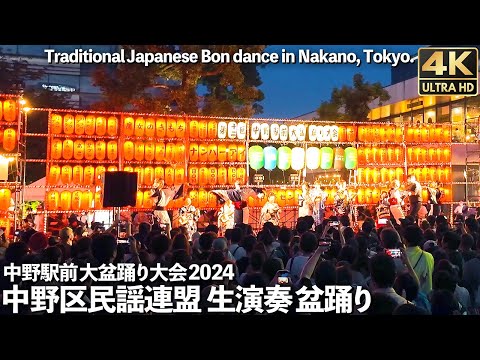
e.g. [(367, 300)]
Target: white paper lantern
[(292, 133), (283, 132), (327, 133), (301, 132), (298, 158), (265, 131), (241, 130), (222, 130), (274, 132), (313, 158), (334, 132), (312, 132), (320, 133), (255, 131), (232, 130)]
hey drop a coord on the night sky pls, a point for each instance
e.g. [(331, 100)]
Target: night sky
[(295, 89)]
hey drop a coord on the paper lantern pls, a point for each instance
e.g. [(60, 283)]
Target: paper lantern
[(251, 201), (411, 171), (351, 133), (76, 200), (179, 153), (410, 155), (232, 153), (112, 126), (52, 199), (67, 151), (447, 174), (334, 132), (160, 151), (376, 195), (391, 174), (9, 110), (425, 174), (360, 175), (320, 134), (241, 153), (193, 175), (147, 202), (99, 171), (298, 194), (66, 174), (447, 134), (193, 195), (362, 132), (149, 151), (390, 134), (289, 197), (139, 200), (383, 158), (212, 200), (418, 173), (438, 134), (222, 176), (140, 150), (327, 133), (159, 172), (193, 152), (384, 175), (139, 171), (88, 175), (180, 128), (149, 129), (212, 153), (65, 200), (232, 175), (171, 129), (139, 127), (9, 139), (375, 154), (312, 132), (79, 124), (161, 128), (342, 134), (298, 158), (425, 133), (101, 126), (383, 133), (212, 175), (202, 129), (179, 175), (232, 130), (128, 150), (53, 175), (242, 131), (447, 155), (77, 174), (202, 197), (351, 158), (417, 135), (368, 196), (284, 158), (112, 168), (375, 176), (281, 198), (169, 176), (112, 150), (361, 155), (390, 155), (292, 133), (399, 154), (313, 158), (87, 200), (222, 130), (264, 131), (377, 133), (203, 176), (410, 134), (270, 158), (203, 152), (283, 132), (128, 169), (361, 196), (399, 134), (56, 123), (242, 175), (255, 157), (90, 125), (78, 149), (302, 132), (212, 129), (68, 124), (432, 155), (86, 150), (368, 155), (368, 175), (423, 155), (327, 158), (128, 126)]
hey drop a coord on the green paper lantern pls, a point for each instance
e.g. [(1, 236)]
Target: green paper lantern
[(255, 157)]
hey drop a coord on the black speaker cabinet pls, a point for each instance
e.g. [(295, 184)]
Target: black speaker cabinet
[(119, 188)]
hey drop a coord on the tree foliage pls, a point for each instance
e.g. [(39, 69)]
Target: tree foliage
[(206, 89), (352, 103)]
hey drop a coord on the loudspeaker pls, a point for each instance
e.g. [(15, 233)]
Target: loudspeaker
[(119, 188)]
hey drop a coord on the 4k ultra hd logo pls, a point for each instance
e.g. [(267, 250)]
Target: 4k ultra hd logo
[(448, 71)]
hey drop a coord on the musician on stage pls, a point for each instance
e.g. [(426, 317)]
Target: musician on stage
[(415, 196), (270, 211), (226, 215), (188, 217), (342, 199), (305, 201), (161, 197), (396, 201), (434, 195), (319, 198)]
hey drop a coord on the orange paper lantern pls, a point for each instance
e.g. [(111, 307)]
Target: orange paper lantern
[(241, 153), (231, 175), (101, 126), (447, 155), (76, 200), (91, 150), (9, 139), (139, 171), (290, 197), (417, 135), (128, 150), (112, 126), (203, 176), (281, 198), (179, 175), (383, 155), (112, 150), (342, 134), (99, 171), (56, 149), (376, 195), (139, 150), (88, 175), (160, 128), (425, 175), (390, 134), (391, 175), (438, 133), (90, 125), (222, 153), (193, 152), (399, 174), (251, 201), (399, 134), (425, 134), (169, 152), (361, 133), (193, 195), (52, 199), (139, 202), (78, 174), (418, 173), (171, 127), (53, 175), (66, 174), (79, 150), (368, 176), (416, 155), (383, 175), (390, 155), (351, 133), (112, 168), (98, 201), (79, 124), (159, 172), (432, 155), (212, 200), (202, 129), (212, 153), (375, 154), (361, 196), (180, 153), (232, 153), (139, 127), (410, 134), (212, 176), (65, 200), (180, 130), (423, 155), (376, 176), (67, 149), (241, 175), (193, 175), (160, 151), (447, 174), (368, 155), (361, 155), (212, 129), (193, 129), (87, 200), (147, 200), (447, 134), (169, 176), (9, 110), (149, 151), (222, 178), (68, 124), (128, 168), (56, 123), (128, 126), (150, 127), (202, 197), (368, 196), (360, 175), (383, 133), (203, 152), (399, 154)]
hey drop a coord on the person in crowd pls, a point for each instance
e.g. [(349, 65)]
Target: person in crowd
[(254, 273), (236, 248), (444, 303), (249, 243), (390, 239), (422, 261), (159, 244), (450, 243), (407, 286), (450, 282), (66, 240), (308, 245), (37, 243), (382, 304), (206, 242), (305, 201), (144, 228), (180, 242), (283, 250), (409, 309)]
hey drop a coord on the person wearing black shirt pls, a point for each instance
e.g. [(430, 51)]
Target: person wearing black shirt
[(415, 196)]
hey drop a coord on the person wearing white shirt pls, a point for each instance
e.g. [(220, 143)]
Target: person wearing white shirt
[(308, 245)]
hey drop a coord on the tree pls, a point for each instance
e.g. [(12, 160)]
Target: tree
[(351, 103), (193, 88)]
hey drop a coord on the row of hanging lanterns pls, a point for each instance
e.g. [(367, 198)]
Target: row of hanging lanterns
[(80, 124), (216, 176), (78, 174), (83, 150), (428, 133), (429, 155), (73, 200), (217, 152), (154, 151), (430, 173), (299, 132), (204, 129)]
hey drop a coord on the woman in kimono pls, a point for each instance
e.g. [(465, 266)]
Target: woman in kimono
[(189, 216)]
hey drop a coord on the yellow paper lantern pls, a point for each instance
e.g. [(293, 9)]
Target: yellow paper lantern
[(212, 129), (383, 158), (290, 197), (390, 155), (281, 198), (193, 129), (447, 134), (384, 175), (376, 176), (447, 175), (90, 150), (67, 149), (112, 126), (147, 200), (66, 174), (391, 174), (399, 154), (360, 155), (241, 153), (139, 150), (112, 168), (399, 134), (169, 176), (390, 134), (150, 127), (90, 125), (139, 171), (202, 129), (99, 171), (361, 196), (212, 200), (52, 199), (68, 124), (342, 134), (447, 155), (128, 150), (432, 155), (56, 149), (139, 200), (159, 172), (9, 110), (76, 200), (362, 132), (128, 126), (351, 133), (231, 175), (212, 175), (101, 126), (87, 200), (193, 175), (202, 152), (222, 178), (232, 153), (180, 129), (399, 174), (171, 127), (169, 152), (65, 200), (368, 195), (193, 195), (112, 150), (56, 124), (180, 153), (222, 152), (179, 175), (78, 175), (160, 151), (160, 128), (79, 124), (360, 175), (128, 168), (242, 175), (410, 134), (54, 175), (139, 127), (203, 176), (438, 134), (202, 197), (9, 139), (212, 153), (88, 175), (149, 151), (100, 150), (376, 195)]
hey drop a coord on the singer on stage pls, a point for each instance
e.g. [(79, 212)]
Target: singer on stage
[(161, 197), (270, 211)]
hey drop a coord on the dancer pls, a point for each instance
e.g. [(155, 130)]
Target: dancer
[(434, 196), (161, 197), (415, 196), (226, 216), (342, 199), (396, 201), (319, 197), (305, 201), (189, 216), (270, 211)]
